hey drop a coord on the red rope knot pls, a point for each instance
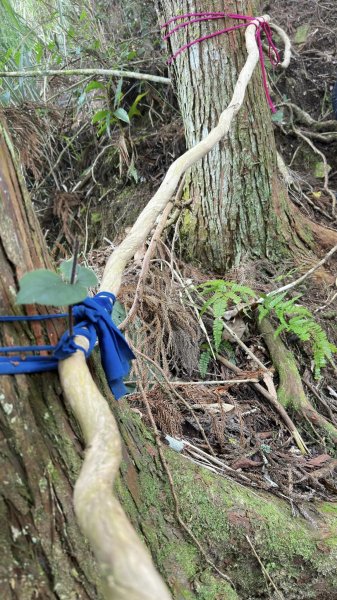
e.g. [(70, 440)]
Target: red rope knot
[(261, 25)]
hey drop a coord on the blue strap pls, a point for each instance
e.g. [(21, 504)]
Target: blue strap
[(32, 317), (92, 319)]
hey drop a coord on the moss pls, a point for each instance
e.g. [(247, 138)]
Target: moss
[(205, 511), (53, 473), (185, 555), (221, 514), (125, 499), (211, 588), (328, 507)]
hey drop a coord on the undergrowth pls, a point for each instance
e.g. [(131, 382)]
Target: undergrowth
[(293, 318)]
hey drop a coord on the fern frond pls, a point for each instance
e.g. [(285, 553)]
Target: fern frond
[(220, 306), (297, 319), (217, 332), (293, 317), (204, 362)]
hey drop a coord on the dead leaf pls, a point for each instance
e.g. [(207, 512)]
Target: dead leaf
[(245, 463), (317, 461)]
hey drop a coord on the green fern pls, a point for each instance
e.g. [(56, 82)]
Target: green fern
[(222, 295), (296, 319), (293, 318), (204, 359)]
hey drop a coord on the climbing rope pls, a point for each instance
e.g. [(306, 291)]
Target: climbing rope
[(262, 28)]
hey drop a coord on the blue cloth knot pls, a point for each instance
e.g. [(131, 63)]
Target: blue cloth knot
[(93, 320)]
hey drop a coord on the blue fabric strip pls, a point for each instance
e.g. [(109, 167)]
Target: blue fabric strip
[(32, 317), (25, 348), (92, 319)]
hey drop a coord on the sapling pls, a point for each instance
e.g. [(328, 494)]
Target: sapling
[(66, 288)]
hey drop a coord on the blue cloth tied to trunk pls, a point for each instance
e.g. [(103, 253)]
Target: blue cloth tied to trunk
[(92, 318)]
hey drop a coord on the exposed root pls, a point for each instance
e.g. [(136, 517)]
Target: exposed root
[(126, 566), (290, 391)]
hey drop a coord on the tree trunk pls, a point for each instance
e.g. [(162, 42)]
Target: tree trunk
[(239, 207), (43, 554)]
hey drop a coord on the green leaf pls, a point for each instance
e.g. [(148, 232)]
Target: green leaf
[(118, 93), (84, 276), (48, 288), (133, 108), (204, 362), (217, 332), (94, 85), (302, 33), (132, 54), (278, 116), (319, 170), (17, 57), (38, 51), (99, 116), (122, 115), (96, 217), (133, 173)]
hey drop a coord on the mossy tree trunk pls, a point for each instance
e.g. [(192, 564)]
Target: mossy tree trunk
[(43, 554), (239, 206)]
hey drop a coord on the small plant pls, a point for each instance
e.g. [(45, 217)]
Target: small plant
[(296, 319), (206, 355), (107, 116), (293, 318), (223, 293), (52, 289), (65, 288)]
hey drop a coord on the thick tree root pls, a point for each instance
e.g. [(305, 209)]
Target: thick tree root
[(290, 391)]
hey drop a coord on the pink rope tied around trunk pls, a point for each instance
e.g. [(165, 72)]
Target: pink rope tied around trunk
[(262, 28)]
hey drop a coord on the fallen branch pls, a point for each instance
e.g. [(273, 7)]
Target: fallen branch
[(307, 119), (265, 572), (218, 406), (70, 72), (214, 382), (301, 135), (290, 391), (293, 284), (272, 399)]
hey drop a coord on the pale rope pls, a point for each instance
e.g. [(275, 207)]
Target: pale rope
[(120, 257), (128, 572)]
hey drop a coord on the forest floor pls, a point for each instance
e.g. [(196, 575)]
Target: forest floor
[(233, 421), (97, 188)]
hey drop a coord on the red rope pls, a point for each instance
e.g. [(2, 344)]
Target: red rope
[(262, 28)]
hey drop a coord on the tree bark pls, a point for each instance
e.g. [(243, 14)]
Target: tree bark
[(240, 208), (43, 554)]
